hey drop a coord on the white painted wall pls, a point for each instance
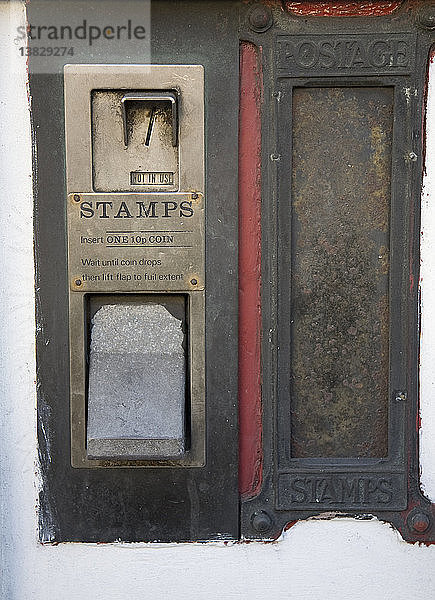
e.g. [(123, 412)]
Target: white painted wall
[(327, 560), (427, 297)]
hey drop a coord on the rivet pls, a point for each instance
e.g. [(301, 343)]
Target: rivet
[(76, 197), (427, 18), (419, 522), (78, 282), (194, 196), (260, 18), (194, 281), (261, 521)]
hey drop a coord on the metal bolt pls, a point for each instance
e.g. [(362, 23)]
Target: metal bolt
[(78, 282), (260, 18), (194, 281), (419, 522), (427, 18), (261, 521), (76, 198)]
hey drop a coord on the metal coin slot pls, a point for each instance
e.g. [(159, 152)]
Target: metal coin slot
[(154, 99), (135, 141)]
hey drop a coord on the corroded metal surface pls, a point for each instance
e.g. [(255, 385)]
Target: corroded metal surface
[(340, 271)]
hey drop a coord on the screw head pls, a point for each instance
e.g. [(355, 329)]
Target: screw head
[(260, 18), (78, 282), (76, 198), (419, 521), (194, 196), (427, 18), (261, 521), (194, 281)]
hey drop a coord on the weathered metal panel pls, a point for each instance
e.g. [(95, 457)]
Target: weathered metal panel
[(304, 469), (135, 503), (341, 194), (342, 158)]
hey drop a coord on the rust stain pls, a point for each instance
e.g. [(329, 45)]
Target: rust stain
[(250, 408), (343, 9)]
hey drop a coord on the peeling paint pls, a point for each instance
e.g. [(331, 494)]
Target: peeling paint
[(342, 9), (250, 411), (410, 92)]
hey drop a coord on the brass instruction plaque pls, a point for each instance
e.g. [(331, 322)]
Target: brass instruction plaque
[(135, 242)]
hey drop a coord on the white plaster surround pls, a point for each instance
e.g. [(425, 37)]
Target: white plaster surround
[(427, 298), (318, 559)]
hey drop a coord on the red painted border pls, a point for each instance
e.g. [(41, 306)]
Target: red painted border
[(250, 411), (340, 8)]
